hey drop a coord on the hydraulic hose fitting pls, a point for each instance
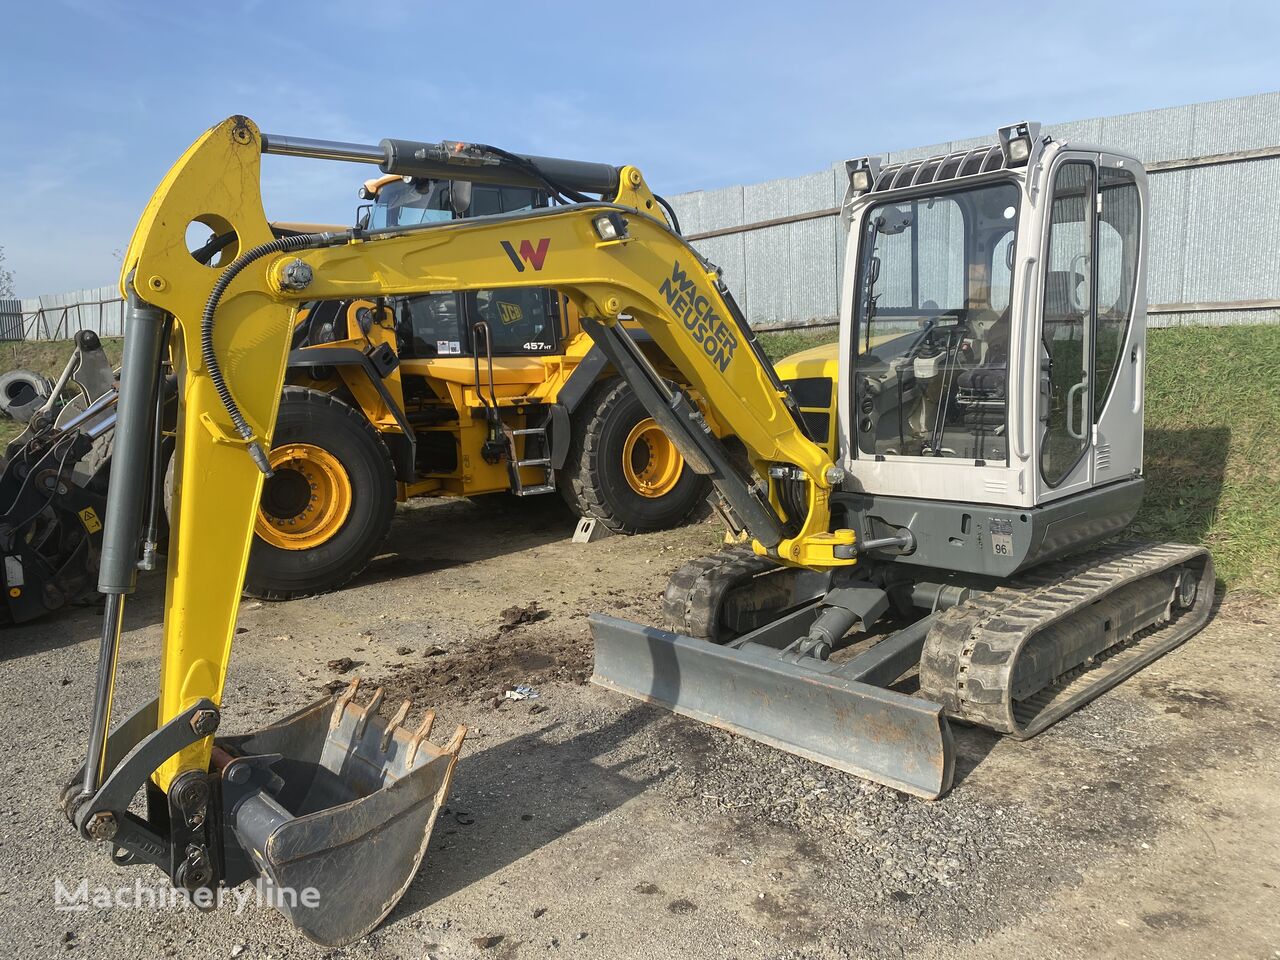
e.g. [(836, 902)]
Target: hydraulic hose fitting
[(297, 276), (259, 456)]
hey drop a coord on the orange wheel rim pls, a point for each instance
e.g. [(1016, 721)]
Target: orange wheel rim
[(307, 501), (650, 461)]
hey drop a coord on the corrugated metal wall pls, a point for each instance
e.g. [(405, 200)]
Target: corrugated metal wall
[(1215, 229)]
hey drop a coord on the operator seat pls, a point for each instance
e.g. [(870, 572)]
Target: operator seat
[(981, 390)]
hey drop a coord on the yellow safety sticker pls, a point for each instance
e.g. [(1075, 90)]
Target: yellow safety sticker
[(90, 520)]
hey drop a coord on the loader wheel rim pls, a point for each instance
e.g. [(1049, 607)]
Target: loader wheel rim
[(307, 501), (650, 461)]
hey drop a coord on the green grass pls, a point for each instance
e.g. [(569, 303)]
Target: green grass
[(47, 357), (1212, 456), (779, 345), (1212, 452)]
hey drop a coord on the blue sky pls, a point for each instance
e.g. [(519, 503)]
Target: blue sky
[(98, 97)]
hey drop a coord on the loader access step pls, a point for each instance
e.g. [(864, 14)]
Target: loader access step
[(1020, 658)]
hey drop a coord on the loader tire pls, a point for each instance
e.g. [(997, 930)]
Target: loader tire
[(622, 470), (330, 504)]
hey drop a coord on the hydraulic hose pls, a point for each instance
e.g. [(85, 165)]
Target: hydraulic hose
[(675, 221), (209, 355)]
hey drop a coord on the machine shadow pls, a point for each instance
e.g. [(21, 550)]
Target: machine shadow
[(973, 744), (514, 798), (424, 537), (440, 534), (1184, 470), (79, 621)]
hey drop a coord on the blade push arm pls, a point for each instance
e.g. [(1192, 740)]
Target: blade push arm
[(645, 272)]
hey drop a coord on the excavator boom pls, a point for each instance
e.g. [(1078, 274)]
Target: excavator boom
[(226, 326)]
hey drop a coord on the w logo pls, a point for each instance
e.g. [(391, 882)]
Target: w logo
[(534, 256)]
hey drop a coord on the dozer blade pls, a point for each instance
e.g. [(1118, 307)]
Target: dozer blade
[(798, 707), (335, 806)]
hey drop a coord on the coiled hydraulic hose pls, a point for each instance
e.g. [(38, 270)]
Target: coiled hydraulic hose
[(209, 355)]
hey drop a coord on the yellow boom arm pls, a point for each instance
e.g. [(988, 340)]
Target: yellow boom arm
[(646, 272)]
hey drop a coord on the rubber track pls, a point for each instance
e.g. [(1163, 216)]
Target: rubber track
[(970, 654), (695, 593)]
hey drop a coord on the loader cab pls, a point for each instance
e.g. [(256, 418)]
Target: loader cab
[(518, 322), (992, 340)]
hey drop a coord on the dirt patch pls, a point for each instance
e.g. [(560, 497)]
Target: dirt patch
[(484, 668)]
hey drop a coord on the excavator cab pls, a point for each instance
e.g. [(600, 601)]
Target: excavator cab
[(992, 345), (987, 395)]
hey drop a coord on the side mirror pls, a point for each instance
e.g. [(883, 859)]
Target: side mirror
[(460, 197)]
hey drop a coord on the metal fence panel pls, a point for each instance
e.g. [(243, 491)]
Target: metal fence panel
[(1244, 123), (1152, 136), (1167, 245), (10, 319)]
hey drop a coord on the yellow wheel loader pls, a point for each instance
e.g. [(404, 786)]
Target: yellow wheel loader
[(456, 394), (925, 529)]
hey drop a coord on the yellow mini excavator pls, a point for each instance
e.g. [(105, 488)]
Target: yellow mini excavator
[(918, 531)]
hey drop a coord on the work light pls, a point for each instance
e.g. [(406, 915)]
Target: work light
[(862, 176), (1016, 140), (611, 226)]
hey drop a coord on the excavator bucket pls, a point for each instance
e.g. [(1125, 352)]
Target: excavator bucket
[(335, 807), (803, 706)]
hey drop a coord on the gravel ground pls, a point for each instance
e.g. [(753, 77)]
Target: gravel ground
[(582, 824)]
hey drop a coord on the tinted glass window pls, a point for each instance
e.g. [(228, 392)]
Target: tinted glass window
[(401, 204), (1067, 293), (520, 321), (932, 325), (1119, 229), (431, 325)]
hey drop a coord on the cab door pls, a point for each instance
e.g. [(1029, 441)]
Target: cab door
[(1066, 331), (1119, 321)]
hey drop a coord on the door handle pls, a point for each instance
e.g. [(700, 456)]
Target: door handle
[(1071, 409)]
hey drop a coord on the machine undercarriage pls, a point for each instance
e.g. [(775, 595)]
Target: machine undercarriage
[(1013, 656)]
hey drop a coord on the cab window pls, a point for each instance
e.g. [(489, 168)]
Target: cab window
[(932, 325), (520, 321), (404, 204)]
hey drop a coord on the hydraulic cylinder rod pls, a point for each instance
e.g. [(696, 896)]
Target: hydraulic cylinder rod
[(455, 161), (118, 572)]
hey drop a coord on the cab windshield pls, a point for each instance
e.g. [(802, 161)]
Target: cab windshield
[(403, 204), (518, 322), (932, 324)]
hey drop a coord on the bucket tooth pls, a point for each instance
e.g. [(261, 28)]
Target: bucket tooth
[(344, 699), (370, 711), (335, 807), (394, 723), (423, 731)]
